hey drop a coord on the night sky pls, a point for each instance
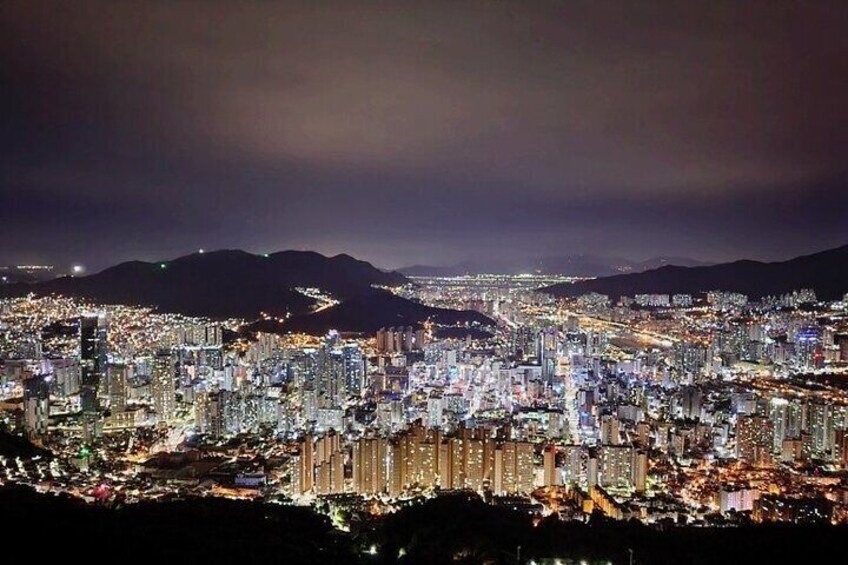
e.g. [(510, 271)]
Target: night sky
[(405, 133)]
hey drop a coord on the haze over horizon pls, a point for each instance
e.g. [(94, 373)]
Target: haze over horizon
[(425, 134), (488, 266)]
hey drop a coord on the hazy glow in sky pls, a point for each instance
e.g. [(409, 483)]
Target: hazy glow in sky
[(423, 133)]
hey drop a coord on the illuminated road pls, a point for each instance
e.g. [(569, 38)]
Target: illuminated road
[(658, 339)]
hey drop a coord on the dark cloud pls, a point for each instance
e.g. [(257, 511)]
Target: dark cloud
[(423, 132)]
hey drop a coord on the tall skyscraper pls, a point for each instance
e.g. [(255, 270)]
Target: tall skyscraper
[(610, 430), (117, 378), (399, 471), (93, 350), (401, 339), (328, 465), (754, 439), (546, 353), (306, 465), (640, 471), (690, 402), (162, 384), (354, 369), (514, 468), (370, 465), (549, 466), (330, 377), (36, 406), (820, 427), (573, 464), (616, 466)]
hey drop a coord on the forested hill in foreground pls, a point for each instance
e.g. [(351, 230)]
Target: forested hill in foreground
[(457, 528)]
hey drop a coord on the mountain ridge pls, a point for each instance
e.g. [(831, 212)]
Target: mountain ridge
[(227, 283), (231, 283), (826, 272)]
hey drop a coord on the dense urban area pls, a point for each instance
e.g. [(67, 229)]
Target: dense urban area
[(697, 410)]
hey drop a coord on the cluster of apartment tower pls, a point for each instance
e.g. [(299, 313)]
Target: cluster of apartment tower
[(417, 459)]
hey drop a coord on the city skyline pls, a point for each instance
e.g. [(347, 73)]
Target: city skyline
[(515, 283), (429, 134)]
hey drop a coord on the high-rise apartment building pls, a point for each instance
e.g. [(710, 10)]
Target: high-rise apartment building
[(162, 385), (36, 406), (754, 439)]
